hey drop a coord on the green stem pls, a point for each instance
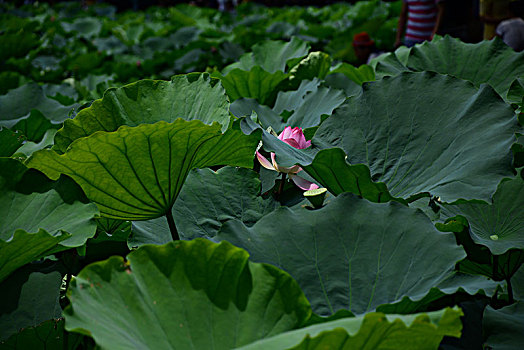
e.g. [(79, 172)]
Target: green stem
[(172, 226), (281, 187)]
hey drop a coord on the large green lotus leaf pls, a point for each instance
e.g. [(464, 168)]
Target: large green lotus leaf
[(499, 225), (308, 103), (207, 200), (28, 299), (503, 328), (371, 331), (358, 75), (255, 83), (49, 335), (207, 295), (136, 173), (270, 55), (491, 62), (149, 101), (18, 103), (425, 132), (351, 254), (24, 247)]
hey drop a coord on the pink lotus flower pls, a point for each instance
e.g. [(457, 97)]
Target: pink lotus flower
[(295, 138)]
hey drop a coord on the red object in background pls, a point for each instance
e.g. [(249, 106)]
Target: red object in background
[(362, 39)]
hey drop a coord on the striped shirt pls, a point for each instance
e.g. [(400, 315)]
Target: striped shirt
[(422, 16)]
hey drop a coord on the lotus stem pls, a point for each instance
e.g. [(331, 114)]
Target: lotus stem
[(172, 226), (281, 187)]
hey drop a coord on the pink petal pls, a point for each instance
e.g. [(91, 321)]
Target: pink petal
[(285, 134), (301, 139), (292, 143), (303, 183), (297, 135), (302, 143), (264, 162)]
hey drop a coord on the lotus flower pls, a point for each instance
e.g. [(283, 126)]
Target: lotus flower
[(295, 138)]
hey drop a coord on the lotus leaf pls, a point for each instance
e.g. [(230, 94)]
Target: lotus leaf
[(136, 173), (208, 295), (351, 254), (425, 132), (149, 101)]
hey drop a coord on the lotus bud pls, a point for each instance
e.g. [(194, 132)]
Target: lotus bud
[(295, 138)]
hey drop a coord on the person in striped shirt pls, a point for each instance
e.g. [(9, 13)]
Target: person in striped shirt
[(419, 20)]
